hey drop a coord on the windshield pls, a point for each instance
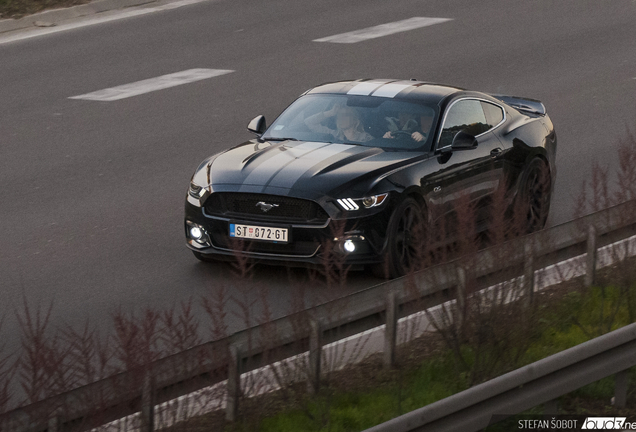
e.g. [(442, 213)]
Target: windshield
[(351, 119)]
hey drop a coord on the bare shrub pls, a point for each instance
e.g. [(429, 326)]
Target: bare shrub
[(599, 193), (39, 359), (180, 332), (136, 338), (180, 329), (314, 288), (287, 373), (487, 330), (215, 305), (333, 267), (7, 372), (626, 180), (242, 264), (88, 359), (87, 354)]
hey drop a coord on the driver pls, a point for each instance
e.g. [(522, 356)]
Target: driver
[(348, 124), (406, 122)]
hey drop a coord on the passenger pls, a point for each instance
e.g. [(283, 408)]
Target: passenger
[(349, 127)]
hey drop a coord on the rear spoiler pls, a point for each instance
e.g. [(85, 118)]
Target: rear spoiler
[(523, 104)]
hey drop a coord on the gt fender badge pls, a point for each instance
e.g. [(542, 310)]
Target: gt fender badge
[(437, 189), (265, 206)]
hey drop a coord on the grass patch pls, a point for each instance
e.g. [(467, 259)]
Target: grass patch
[(364, 395), (340, 409), (20, 8)]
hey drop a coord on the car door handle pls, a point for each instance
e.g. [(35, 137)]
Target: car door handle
[(495, 153)]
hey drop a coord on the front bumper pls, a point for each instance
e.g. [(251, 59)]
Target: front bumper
[(314, 243)]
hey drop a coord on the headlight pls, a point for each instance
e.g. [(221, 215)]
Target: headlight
[(352, 204), (195, 190), (374, 201)]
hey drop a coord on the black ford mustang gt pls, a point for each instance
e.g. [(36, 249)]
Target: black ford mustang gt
[(352, 166)]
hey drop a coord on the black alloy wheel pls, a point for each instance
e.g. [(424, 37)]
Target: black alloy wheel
[(406, 238), (535, 196)]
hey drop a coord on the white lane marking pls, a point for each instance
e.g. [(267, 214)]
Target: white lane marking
[(390, 90), (364, 88), (152, 84), (383, 30), (102, 17)]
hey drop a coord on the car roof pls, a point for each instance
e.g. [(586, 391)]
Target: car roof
[(403, 89)]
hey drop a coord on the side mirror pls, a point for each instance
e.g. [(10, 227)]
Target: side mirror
[(464, 141), (258, 125)]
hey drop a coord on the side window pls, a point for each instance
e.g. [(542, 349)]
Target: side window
[(466, 116), (494, 114)]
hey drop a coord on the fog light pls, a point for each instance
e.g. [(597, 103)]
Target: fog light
[(349, 246), (196, 233)]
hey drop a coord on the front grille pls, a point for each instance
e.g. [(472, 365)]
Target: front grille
[(245, 205)]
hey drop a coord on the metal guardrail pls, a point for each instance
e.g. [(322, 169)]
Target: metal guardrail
[(207, 364), (524, 388)]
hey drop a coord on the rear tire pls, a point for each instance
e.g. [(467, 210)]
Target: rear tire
[(534, 196)]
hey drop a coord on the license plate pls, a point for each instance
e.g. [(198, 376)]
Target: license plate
[(254, 232)]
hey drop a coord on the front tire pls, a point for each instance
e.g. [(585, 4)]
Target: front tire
[(406, 238)]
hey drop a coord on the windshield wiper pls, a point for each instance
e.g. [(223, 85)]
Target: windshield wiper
[(279, 139), (340, 142)]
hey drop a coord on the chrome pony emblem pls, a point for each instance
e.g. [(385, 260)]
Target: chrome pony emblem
[(265, 206)]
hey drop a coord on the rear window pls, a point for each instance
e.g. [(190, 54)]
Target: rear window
[(494, 113)]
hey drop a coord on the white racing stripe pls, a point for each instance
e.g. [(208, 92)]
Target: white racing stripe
[(152, 84), (383, 30), (390, 90), (365, 88), (270, 167), (293, 171)]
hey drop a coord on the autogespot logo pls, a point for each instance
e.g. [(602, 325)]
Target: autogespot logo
[(607, 423)]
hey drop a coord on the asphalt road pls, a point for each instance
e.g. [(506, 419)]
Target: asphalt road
[(91, 196)]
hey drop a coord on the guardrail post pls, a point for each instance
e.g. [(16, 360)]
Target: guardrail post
[(461, 296), (590, 261), (528, 272), (315, 351), (147, 403), (390, 331), (620, 389), (233, 384)]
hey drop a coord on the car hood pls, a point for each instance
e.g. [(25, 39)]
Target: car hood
[(284, 167)]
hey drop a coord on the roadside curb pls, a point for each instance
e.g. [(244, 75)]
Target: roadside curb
[(51, 17)]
